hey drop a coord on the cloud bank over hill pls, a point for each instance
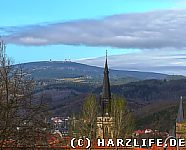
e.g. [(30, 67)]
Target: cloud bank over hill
[(168, 62), (150, 30)]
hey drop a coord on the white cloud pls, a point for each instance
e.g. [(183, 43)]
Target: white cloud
[(150, 30)]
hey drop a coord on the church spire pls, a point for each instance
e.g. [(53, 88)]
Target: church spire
[(106, 94), (180, 116), (106, 83)]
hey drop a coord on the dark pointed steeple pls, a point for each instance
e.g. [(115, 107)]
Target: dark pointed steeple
[(180, 116), (106, 83), (106, 94)]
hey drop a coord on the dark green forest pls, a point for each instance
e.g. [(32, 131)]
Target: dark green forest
[(154, 102)]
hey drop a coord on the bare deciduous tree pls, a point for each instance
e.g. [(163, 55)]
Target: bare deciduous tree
[(86, 124), (22, 118), (123, 121)]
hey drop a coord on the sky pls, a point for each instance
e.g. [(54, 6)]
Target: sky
[(145, 35)]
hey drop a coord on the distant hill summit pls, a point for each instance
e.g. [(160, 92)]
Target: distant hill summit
[(66, 69)]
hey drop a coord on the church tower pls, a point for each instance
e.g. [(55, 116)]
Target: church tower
[(105, 120), (180, 115), (180, 122)]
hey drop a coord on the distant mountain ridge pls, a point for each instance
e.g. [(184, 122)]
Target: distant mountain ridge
[(65, 69), (153, 96)]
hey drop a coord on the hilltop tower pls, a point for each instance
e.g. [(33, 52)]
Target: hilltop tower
[(105, 120), (180, 122)]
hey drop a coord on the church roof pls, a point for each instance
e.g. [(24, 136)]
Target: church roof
[(180, 116)]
